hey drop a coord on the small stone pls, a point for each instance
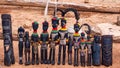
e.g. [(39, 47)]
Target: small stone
[(26, 26)]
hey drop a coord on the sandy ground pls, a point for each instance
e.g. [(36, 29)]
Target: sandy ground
[(22, 17), (116, 61)]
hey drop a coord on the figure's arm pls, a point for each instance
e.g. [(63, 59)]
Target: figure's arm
[(80, 45), (37, 40), (66, 35), (79, 41), (50, 37), (40, 39), (57, 39), (47, 41), (24, 37), (31, 41)]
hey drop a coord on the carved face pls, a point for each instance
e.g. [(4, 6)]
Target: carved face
[(7, 39), (27, 35), (21, 31), (76, 27), (97, 39), (82, 34), (55, 22), (63, 22), (45, 26), (35, 25)]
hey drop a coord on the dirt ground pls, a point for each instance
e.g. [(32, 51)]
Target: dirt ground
[(23, 17), (116, 61)]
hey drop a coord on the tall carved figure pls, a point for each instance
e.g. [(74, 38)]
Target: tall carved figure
[(53, 40), (27, 48), (76, 42), (21, 43), (8, 44), (35, 44), (44, 40), (63, 35)]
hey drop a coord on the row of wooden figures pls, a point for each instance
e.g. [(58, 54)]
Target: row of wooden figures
[(62, 38)]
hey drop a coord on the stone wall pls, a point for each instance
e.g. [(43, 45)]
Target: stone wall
[(72, 1)]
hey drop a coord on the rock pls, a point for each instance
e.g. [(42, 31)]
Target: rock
[(110, 29), (26, 26), (103, 29), (95, 30)]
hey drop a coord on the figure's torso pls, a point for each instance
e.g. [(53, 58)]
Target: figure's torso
[(21, 36), (63, 35), (89, 45), (44, 37), (83, 47), (54, 38), (54, 35), (27, 43), (76, 40)]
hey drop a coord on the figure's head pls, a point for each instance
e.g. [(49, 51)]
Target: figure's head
[(35, 25), (55, 22), (97, 39), (63, 22), (88, 37), (45, 26), (26, 34), (76, 27), (21, 29), (82, 34)]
